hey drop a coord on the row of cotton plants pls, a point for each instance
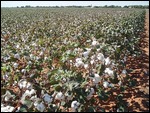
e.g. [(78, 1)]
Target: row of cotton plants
[(66, 60)]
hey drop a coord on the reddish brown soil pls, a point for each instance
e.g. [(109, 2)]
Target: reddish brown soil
[(137, 97)]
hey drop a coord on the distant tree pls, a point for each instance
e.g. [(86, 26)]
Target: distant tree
[(27, 6), (126, 6)]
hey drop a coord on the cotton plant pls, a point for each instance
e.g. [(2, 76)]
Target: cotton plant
[(59, 96), (7, 108), (91, 92), (96, 79), (79, 62), (47, 98), (15, 65), (109, 71), (107, 61), (8, 96), (95, 45), (105, 84), (74, 105), (39, 106), (24, 84), (101, 57)]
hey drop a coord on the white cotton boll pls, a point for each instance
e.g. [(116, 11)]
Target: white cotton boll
[(17, 56), (119, 83), (93, 57), (28, 85), (124, 72), (105, 84), (40, 107), (15, 65), (91, 93), (45, 58), (59, 96), (47, 98), (31, 56), (125, 59), (98, 49), (75, 104), (86, 66), (101, 57), (79, 62), (7, 96), (29, 63), (96, 78), (86, 54), (41, 53), (33, 98), (32, 92), (107, 61), (7, 109), (24, 84), (17, 46), (92, 61), (94, 43), (78, 59), (109, 71), (37, 58), (23, 71)]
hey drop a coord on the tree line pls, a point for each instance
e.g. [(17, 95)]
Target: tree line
[(89, 6)]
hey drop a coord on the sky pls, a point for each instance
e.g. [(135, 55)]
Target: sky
[(70, 3)]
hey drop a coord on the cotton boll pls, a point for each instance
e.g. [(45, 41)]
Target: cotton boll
[(101, 57), (7, 96), (23, 71), (41, 53), (109, 71), (96, 78), (119, 83), (15, 65), (7, 108), (47, 98), (105, 84), (94, 43), (124, 72), (40, 107), (59, 96), (107, 61), (79, 62), (17, 46), (91, 93), (17, 56), (85, 54), (92, 61), (86, 66), (75, 104), (24, 84)]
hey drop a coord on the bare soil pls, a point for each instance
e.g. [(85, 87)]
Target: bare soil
[(137, 97)]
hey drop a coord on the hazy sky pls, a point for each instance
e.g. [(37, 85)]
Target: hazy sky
[(67, 3)]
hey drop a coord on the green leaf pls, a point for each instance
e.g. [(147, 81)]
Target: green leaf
[(4, 69), (122, 88), (28, 103), (91, 109), (58, 88), (23, 108), (120, 97)]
